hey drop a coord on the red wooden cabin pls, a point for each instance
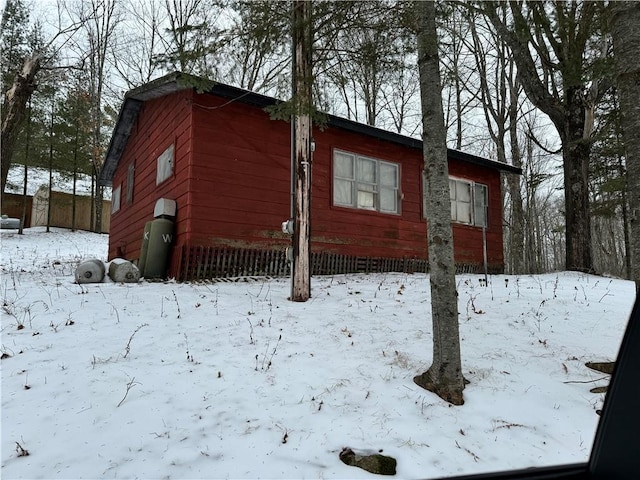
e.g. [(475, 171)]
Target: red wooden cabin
[(227, 166)]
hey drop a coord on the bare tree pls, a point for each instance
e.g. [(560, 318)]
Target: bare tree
[(461, 94), (543, 219), (398, 96), (257, 48), (444, 376), (499, 94), (550, 43), (138, 42), (367, 59), (99, 19), (17, 97), (626, 42), (193, 38)]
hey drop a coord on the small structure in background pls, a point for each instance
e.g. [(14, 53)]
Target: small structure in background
[(7, 222), (13, 205), (62, 210)]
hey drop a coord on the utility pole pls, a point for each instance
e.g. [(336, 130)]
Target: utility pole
[(302, 151)]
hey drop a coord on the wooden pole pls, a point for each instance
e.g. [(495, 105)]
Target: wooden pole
[(302, 101)]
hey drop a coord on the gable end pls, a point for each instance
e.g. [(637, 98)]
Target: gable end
[(121, 132)]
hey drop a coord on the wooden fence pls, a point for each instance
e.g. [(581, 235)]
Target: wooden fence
[(201, 263), (62, 210), (209, 263), (12, 205)]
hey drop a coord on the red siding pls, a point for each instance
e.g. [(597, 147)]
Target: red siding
[(240, 176), (232, 184), (468, 239), (160, 123), (241, 181), (375, 234)]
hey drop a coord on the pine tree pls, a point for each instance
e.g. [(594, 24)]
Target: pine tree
[(13, 41)]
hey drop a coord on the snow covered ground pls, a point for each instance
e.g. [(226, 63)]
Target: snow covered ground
[(231, 380), (38, 177)]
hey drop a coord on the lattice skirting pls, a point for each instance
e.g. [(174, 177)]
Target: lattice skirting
[(207, 263)]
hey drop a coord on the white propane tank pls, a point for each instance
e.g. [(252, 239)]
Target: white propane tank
[(123, 271), (90, 271)]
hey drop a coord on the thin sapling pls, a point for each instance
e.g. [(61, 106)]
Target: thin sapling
[(127, 348), (132, 383)]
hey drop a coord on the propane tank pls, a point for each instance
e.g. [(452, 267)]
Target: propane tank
[(90, 271), (144, 248), (160, 240), (123, 271)]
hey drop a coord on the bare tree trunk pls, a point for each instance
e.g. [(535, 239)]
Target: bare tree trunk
[(75, 179), (625, 225), (301, 265), (501, 110), (99, 19), (99, 204), (444, 376), (23, 218), (626, 43), (15, 106), (25, 180), (565, 38), (93, 199), (50, 191), (532, 246), (575, 161), (516, 232)]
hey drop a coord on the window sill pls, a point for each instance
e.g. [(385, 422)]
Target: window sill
[(364, 211)]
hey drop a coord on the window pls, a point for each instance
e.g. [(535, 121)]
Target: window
[(365, 183), (469, 202), (460, 196), (165, 165), (130, 178), (115, 199), (480, 205)]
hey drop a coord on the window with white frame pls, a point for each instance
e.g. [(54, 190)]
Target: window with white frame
[(115, 199), (165, 165), (469, 202), (365, 183)]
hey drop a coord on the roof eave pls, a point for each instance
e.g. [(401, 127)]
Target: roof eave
[(126, 119), (177, 81)]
